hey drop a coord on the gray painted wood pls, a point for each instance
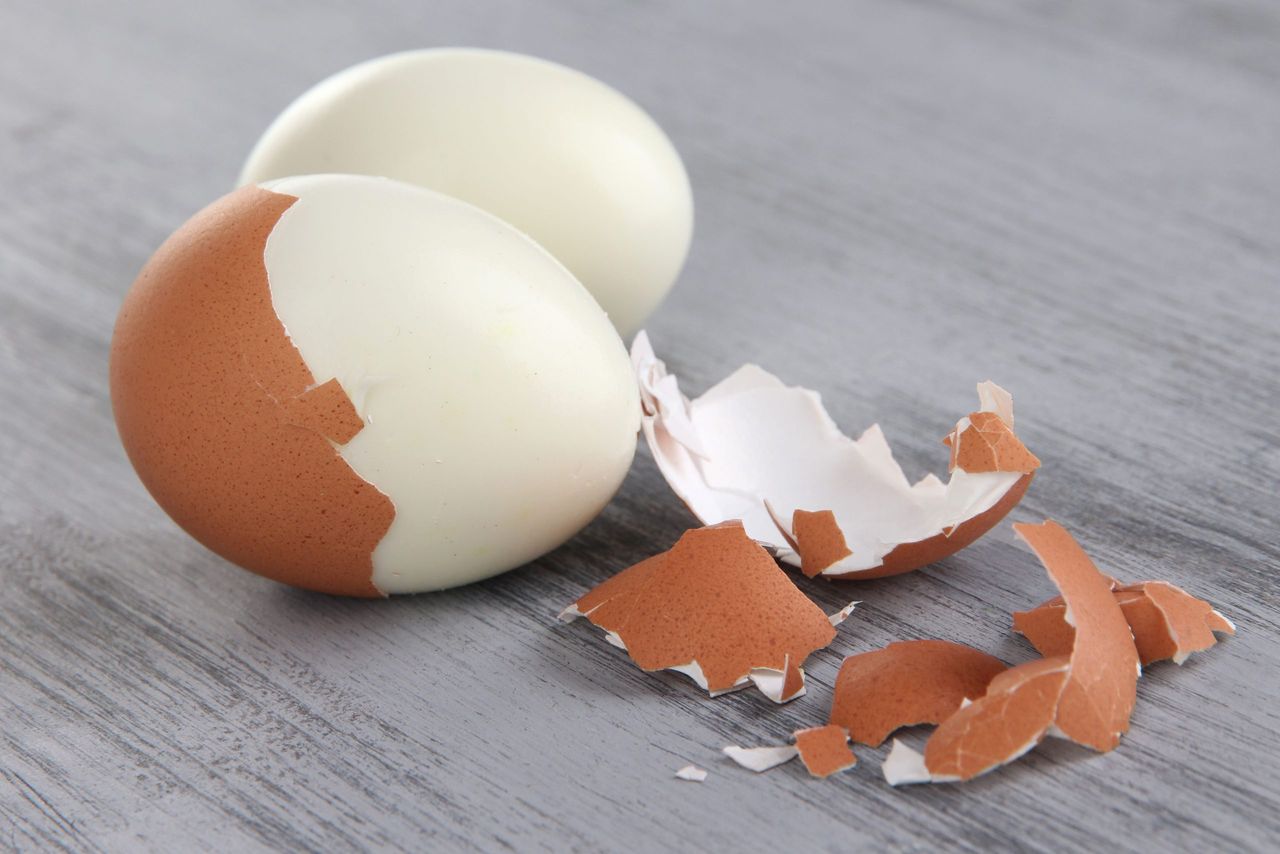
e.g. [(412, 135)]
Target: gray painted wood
[(895, 200)]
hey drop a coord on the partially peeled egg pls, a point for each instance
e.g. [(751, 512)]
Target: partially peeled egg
[(359, 386)]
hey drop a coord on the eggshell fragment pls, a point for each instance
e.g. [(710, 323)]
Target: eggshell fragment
[(754, 449), (908, 683), (692, 773), (715, 607), (362, 387), (760, 759), (815, 537), (1167, 623), (327, 410), (1086, 696), (824, 750), (1191, 622), (1013, 716), (561, 156), (983, 442), (1101, 685), (843, 614)]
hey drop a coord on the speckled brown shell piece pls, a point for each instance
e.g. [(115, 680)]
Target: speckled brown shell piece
[(908, 683), (716, 598), (1167, 622), (824, 750), (988, 444), (224, 422), (818, 540), (1012, 717), (327, 410), (1101, 685), (1087, 693)]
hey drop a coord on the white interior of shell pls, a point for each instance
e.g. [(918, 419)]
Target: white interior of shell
[(760, 759), (752, 439), (904, 766), (692, 773)]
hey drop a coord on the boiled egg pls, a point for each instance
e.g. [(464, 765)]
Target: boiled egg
[(360, 386), (560, 155)]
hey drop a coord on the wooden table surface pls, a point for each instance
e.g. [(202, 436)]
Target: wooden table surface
[(895, 200)]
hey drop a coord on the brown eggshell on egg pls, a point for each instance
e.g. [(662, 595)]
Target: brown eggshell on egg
[(215, 408)]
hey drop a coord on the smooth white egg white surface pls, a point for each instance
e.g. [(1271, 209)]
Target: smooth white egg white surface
[(560, 155), (499, 407)]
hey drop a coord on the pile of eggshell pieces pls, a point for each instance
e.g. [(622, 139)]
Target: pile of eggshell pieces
[(769, 474)]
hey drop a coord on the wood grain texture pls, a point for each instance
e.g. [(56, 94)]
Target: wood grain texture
[(895, 200)]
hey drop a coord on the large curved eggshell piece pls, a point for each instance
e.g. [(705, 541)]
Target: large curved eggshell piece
[(755, 449), (445, 362), (563, 157)]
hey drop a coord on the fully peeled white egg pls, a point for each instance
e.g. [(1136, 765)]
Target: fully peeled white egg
[(361, 386), (563, 157)]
